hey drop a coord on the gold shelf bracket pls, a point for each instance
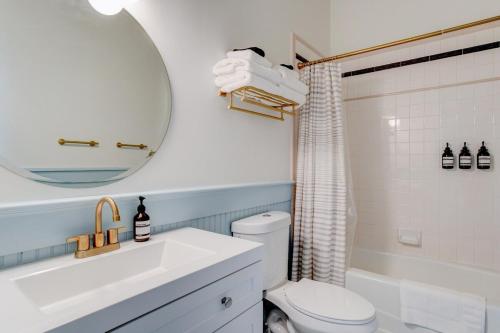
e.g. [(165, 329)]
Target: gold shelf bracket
[(277, 105)]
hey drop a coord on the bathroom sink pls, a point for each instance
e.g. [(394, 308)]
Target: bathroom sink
[(53, 289)]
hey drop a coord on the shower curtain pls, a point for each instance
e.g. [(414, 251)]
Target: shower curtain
[(321, 200)]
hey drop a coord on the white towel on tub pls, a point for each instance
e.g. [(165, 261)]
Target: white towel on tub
[(440, 309), (231, 66)]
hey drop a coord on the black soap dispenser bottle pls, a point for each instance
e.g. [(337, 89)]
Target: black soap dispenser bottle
[(465, 158), (483, 158), (448, 160), (142, 223)]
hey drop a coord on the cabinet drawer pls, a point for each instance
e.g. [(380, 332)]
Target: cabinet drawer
[(251, 321), (204, 310)]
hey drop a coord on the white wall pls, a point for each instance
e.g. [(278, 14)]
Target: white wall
[(363, 23), (206, 143)]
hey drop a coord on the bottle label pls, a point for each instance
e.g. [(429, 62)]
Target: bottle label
[(466, 160), (142, 237), (484, 160), (142, 229), (448, 161), (142, 223)]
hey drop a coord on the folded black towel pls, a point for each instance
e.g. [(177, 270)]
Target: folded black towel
[(257, 50), (290, 67)]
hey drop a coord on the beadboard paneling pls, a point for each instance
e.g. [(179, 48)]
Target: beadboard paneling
[(38, 230)]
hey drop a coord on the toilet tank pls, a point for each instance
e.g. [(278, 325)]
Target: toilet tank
[(272, 230)]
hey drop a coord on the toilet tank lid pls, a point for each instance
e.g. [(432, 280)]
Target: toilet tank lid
[(262, 223)]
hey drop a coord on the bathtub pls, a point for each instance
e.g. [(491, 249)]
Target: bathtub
[(376, 276)]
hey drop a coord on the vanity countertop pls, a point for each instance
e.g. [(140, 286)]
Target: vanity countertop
[(100, 293)]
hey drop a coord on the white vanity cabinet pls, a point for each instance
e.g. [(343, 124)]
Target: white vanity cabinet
[(231, 304)]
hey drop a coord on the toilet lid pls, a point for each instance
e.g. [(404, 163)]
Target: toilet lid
[(329, 303)]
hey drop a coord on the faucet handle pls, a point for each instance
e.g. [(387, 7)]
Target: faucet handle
[(82, 242), (113, 234)]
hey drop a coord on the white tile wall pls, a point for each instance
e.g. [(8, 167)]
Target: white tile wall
[(396, 143)]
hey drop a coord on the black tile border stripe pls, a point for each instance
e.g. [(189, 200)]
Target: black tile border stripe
[(300, 58), (420, 60)]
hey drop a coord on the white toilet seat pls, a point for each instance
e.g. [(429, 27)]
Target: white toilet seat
[(310, 307), (329, 303)]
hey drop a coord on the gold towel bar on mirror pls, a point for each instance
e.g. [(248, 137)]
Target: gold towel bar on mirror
[(63, 142), (128, 145), (263, 99)]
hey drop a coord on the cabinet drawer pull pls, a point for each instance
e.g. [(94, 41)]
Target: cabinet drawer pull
[(227, 302)]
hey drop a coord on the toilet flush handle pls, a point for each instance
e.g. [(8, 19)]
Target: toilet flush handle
[(227, 302)]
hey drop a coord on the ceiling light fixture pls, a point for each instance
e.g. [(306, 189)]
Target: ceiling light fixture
[(109, 7)]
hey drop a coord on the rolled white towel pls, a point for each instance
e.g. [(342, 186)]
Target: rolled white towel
[(231, 66), (244, 79), (222, 80), (250, 56), (291, 80)]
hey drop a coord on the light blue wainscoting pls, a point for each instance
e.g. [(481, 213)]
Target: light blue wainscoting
[(37, 231)]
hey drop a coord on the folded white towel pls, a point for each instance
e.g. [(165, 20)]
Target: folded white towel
[(292, 95), (222, 80), (230, 66), (250, 56), (291, 81), (244, 79), (286, 72), (442, 310)]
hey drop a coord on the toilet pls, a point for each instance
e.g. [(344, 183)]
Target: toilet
[(311, 306)]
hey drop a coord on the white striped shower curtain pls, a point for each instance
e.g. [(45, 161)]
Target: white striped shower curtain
[(319, 242)]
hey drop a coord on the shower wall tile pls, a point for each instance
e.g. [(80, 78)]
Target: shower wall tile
[(396, 139)]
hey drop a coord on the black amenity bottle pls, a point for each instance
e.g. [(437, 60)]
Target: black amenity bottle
[(465, 158), (142, 224), (448, 160), (483, 158)]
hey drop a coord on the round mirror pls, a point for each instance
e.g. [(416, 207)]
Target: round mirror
[(84, 98)]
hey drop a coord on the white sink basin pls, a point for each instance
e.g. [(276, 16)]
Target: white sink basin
[(53, 289)]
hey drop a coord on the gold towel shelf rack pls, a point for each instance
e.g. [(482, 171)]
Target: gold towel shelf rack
[(91, 143), (277, 105), (128, 145)]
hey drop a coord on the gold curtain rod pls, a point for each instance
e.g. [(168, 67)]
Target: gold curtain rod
[(401, 41)]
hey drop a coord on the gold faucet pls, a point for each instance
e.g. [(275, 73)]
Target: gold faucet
[(83, 249)]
